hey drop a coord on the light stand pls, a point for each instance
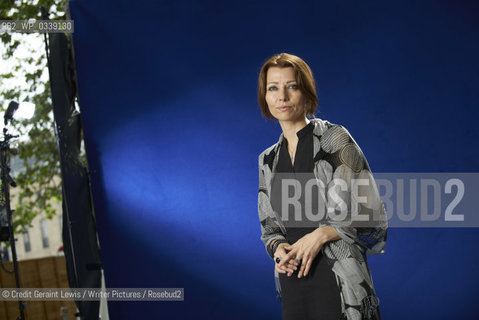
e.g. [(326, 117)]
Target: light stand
[(8, 181)]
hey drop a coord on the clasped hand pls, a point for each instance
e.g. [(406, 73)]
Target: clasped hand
[(304, 250)]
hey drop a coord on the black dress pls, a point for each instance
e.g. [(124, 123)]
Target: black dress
[(315, 296)]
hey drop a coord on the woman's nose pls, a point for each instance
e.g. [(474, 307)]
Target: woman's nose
[(282, 95)]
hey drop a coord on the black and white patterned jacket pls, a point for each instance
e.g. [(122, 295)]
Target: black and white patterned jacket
[(337, 159)]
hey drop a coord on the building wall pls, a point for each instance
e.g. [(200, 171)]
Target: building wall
[(53, 233), (53, 226), (37, 249)]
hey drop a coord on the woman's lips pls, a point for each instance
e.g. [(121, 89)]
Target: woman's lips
[(284, 108)]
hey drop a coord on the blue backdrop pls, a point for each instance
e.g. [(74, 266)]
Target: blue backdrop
[(173, 131)]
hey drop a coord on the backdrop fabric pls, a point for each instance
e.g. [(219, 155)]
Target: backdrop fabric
[(173, 131)]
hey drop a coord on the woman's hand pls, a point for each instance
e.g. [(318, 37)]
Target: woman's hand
[(307, 248), (287, 266)]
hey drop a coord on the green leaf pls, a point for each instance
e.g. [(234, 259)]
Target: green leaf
[(39, 181)]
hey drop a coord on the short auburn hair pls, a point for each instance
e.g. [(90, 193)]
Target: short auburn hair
[(304, 78)]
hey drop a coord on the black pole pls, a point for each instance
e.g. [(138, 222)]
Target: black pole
[(6, 180), (44, 13), (82, 252), (67, 223)]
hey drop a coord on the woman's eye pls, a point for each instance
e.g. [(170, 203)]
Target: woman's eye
[(293, 86), (272, 88)]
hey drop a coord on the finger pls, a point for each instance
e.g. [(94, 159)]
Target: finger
[(293, 261), (308, 266), (288, 269), (279, 255), (305, 260), (293, 265), (291, 255), (284, 261), (289, 265), (276, 259), (277, 268), (285, 267), (296, 262)]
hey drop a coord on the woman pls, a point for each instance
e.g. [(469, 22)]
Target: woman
[(321, 269)]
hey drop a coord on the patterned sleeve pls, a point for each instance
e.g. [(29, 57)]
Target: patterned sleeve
[(270, 226), (354, 206)]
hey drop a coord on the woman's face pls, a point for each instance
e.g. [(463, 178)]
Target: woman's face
[(285, 100)]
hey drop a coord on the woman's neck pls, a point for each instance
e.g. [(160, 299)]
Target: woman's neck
[(290, 129)]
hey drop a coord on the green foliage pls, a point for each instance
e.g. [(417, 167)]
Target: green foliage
[(39, 182)]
